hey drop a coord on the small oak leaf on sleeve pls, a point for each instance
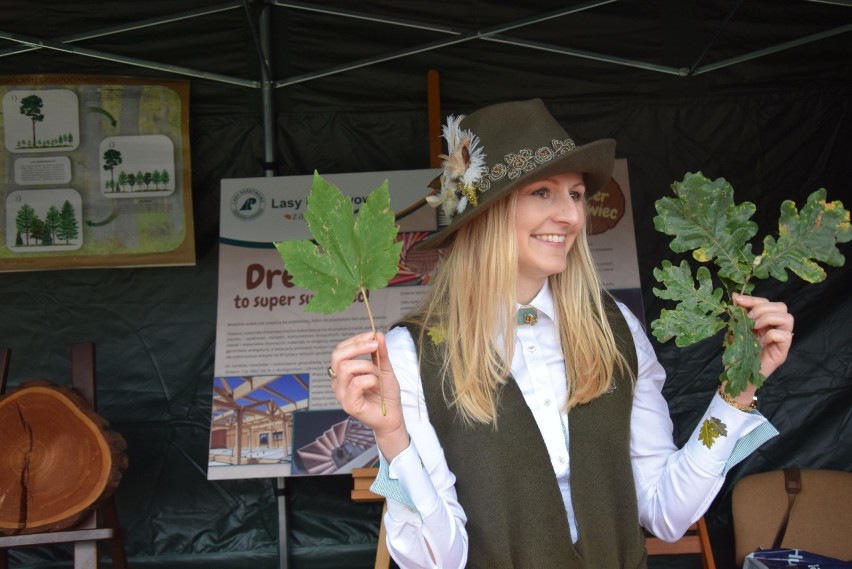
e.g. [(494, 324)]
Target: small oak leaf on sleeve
[(712, 429)]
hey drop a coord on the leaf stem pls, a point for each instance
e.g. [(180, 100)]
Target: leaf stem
[(378, 355)]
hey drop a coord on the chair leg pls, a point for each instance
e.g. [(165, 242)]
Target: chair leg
[(706, 550), (4, 559), (85, 555), (116, 545), (382, 553)]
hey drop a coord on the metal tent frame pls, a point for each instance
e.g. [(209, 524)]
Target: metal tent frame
[(267, 84)]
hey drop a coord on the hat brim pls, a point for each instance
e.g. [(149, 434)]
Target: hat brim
[(594, 160)]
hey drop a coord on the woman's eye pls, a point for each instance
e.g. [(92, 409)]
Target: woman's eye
[(577, 196), (541, 192)]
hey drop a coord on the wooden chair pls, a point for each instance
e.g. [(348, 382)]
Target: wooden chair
[(85, 535), (696, 540), (808, 509)]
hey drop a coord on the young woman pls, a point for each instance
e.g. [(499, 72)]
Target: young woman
[(524, 424)]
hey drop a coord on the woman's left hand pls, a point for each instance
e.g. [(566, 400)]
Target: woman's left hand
[(773, 327)]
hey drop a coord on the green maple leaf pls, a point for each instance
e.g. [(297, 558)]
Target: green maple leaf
[(354, 254), (437, 334), (704, 219)]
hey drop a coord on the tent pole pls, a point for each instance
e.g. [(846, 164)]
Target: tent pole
[(264, 24), (281, 498), (266, 90)]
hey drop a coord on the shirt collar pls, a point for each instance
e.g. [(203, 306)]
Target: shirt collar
[(543, 301)]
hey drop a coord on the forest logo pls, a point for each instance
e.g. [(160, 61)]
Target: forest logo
[(248, 203)]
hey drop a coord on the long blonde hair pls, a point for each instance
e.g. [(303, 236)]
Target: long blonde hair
[(472, 296)]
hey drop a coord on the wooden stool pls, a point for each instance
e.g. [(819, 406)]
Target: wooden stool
[(695, 541), (86, 534)]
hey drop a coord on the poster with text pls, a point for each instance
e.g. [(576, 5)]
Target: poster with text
[(96, 173), (274, 413), (263, 333)]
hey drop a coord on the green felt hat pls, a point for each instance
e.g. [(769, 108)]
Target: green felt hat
[(503, 147)]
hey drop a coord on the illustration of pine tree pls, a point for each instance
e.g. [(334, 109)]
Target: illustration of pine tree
[(24, 221), (68, 228)]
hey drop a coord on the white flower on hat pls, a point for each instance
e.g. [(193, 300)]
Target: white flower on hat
[(463, 166)]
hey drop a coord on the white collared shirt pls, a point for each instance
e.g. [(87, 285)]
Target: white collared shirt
[(674, 487)]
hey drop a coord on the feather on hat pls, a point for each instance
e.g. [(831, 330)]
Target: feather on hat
[(524, 143)]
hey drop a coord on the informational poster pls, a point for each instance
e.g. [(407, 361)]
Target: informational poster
[(273, 412), (613, 239), (96, 173)]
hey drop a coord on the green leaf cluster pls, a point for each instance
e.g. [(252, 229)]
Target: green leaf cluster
[(703, 218), (352, 253)]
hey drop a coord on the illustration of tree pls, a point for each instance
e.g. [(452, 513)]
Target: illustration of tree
[(147, 177), (18, 241), (131, 179), (68, 228), (46, 237), (140, 179), (37, 230), (31, 107), (164, 178), (24, 221), (122, 180), (156, 179), (112, 158), (51, 223)]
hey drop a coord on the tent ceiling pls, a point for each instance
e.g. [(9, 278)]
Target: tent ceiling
[(644, 35)]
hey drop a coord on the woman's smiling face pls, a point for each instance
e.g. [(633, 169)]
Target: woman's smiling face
[(549, 214)]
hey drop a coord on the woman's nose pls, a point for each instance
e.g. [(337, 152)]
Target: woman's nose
[(568, 209)]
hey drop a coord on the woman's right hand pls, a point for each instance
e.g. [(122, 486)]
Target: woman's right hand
[(373, 401)]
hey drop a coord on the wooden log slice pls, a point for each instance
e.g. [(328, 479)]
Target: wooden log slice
[(58, 459)]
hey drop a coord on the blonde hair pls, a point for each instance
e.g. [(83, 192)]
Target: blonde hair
[(472, 296)]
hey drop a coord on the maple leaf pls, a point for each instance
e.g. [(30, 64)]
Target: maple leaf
[(437, 334), (351, 254), (704, 219), (354, 254)]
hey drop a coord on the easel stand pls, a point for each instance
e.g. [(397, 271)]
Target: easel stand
[(86, 535)]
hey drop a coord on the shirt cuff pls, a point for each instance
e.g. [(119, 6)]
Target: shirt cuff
[(387, 487), (749, 443), (406, 481), (737, 435)]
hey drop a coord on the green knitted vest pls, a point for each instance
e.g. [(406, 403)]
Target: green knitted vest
[(506, 485)]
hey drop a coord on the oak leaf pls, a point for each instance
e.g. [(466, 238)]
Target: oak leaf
[(704, 219)]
